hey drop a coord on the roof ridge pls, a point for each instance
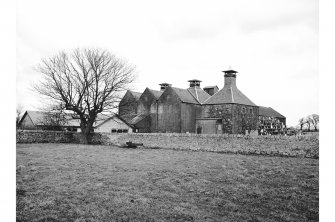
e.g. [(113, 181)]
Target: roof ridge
[(232, 94), (196, 93), (188, 90), (183, 94), (212, 96), (152, 91), (229, 94)]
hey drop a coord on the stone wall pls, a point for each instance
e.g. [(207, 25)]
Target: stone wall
[(39, 136), (294, 146)]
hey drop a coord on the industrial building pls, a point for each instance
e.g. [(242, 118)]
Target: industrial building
[(196, 110)]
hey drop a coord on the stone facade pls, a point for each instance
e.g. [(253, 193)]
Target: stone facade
[(169, 115), (194, 110), (145, 101), (129, 103)]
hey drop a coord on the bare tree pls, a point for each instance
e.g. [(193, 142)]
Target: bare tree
[(54, 118), (315, 121), (19, 111), (302, 122), (308, 121), (86, 82)]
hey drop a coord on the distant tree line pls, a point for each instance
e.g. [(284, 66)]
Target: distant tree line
[(309, 121)]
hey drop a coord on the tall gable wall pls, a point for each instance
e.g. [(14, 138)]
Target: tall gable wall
[(169, 112), (26, 123), (128, 104), (145, 102)]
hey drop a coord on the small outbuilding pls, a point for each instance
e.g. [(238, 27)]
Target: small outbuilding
[(113, 124), (270, 121)]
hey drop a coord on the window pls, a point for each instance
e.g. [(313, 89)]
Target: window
[(114, 130), (125, 131), (199, 129)]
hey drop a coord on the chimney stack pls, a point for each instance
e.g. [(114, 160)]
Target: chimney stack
[(230, 78), (194, 82), (164, 86)]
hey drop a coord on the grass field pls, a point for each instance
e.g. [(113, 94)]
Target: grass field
[(68, 182)]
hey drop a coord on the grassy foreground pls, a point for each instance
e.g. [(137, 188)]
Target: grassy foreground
[(69, 182)]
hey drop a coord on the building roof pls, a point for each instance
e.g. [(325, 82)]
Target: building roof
[(156, 93), (137, 95), (229, 94), (199, 94), (101, 118), (184, 95), (133, 119), (268, 111), (37, 117), (138, 119), (104, 120), (210, 87)]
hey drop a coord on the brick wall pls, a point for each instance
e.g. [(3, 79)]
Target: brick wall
[(294, 146)]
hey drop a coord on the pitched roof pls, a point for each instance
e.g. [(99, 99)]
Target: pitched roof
[(229, 94), (185, 95), (103, 120), (137, 95), (156, 93), (37, 117), (210, 87), (133, 119), (268, 111), (138, 118), (128, 117), (72, 122), (199, 94)]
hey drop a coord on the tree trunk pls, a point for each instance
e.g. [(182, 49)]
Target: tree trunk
[(85, 136)]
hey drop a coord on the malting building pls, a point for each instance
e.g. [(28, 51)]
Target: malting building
[(195, 110)]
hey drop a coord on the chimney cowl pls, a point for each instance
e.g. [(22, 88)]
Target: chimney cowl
[(194, 82), (230, 73), (164, 86)]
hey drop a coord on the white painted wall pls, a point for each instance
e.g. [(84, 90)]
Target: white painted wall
[(113, 123)]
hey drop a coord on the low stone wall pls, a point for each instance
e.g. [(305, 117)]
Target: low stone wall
[(293, 146), (39, 136), (289, 146)]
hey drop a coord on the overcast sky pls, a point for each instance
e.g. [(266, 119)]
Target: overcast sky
[(273, 44)]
